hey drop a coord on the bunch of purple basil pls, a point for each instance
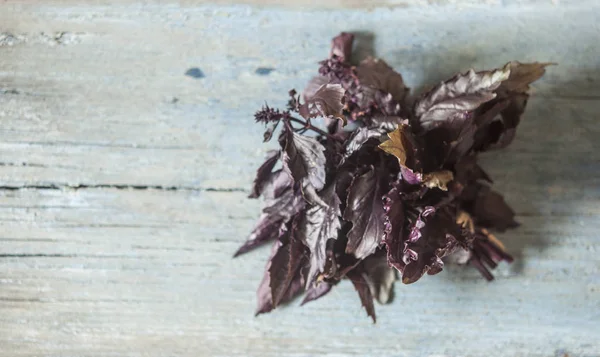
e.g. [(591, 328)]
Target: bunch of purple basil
[(388, 185)]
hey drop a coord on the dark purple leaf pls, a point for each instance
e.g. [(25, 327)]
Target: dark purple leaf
[(375, 73), (341, 46), (411, 177), (263, 174), (264, 295), (285, 264), (358, 138), (453, 99), (386, 104), (303, 158), (327, 101), (278, 182), (492, 211), (317, 291), (497, 122), (468, 171), (521, 76), (313, 86), (268, 228), (365, 210), (273, 220), (320, 224), (362, 288), (431, 236), (394, 228)]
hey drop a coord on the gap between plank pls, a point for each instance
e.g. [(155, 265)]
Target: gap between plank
[(118, 187)]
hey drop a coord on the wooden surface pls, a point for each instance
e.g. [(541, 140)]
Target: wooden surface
[(123, 180)]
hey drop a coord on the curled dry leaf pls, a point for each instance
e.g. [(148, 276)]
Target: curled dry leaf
[(398, 144), (438, 179), (521, 76), (396, 193)]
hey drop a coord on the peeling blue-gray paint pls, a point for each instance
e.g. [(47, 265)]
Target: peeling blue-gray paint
[(195, 72), (264, 71)]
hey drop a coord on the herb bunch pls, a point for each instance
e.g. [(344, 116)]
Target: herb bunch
[(389, 185)]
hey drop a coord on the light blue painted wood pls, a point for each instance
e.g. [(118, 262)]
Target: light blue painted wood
[(98, 95)]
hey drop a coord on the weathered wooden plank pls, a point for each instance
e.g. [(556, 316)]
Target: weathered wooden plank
[(87, 100), (98, 95), (130, 272), (309, 4)]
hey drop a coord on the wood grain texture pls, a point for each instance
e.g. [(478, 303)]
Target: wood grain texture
[(123, 180)]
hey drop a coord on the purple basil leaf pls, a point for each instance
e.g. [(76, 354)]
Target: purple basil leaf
[(500, 132), (285, 264), (327, 101), (317, 291), (313, 86), (365, 210), (319, 225), (492, 211), (375, 73), (521, 76), (263, 174), (286, 205), (273, 220), (386, 104), (341, 46), (303, 157), (268, 228), (278, 182), (312, 197), (394, 228), (358, 138), (452, 99), (468, 171), (362, 288), (411, 177), (264, 295), (432, 236)]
